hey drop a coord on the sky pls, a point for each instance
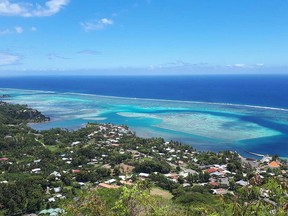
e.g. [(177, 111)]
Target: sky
[(143, 36)]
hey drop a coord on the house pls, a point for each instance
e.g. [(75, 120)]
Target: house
[(224, 182), (37, 170), (273, 164), (226, 172), (212, 170), (76, 171), (144, 175), (81, 183), (242, 183), (56, 174), (110, 181), (173, 180), (75, 143), (264, 193), (52, 199), (188, 171), (59, 196), (122, 177), (54, 212), (218, 174), (57, 189), (186, 185), (4, 159), (195, 160)]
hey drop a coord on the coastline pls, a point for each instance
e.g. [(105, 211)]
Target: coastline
[(187, 122), (181, 164)]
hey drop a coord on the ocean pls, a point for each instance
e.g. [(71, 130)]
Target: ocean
[(262, 90), (224, 112)]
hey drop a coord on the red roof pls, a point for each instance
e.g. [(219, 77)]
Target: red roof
[(211, 170), (76, 171), (273, 164), (4, 159), (214, 184)]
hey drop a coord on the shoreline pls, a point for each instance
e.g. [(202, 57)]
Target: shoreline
[(186, 138)]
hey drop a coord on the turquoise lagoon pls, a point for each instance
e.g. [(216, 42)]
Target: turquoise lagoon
[(205, 126)]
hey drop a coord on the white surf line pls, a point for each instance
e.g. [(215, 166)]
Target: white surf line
[(160, 100), (28, 90), (180, 101)]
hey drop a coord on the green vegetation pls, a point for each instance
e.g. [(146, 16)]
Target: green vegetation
[(134, 200), (149, 166)]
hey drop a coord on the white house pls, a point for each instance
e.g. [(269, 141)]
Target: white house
[(144, 175), (37, 170)]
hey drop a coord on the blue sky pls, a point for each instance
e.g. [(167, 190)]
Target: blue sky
[(143, 36)]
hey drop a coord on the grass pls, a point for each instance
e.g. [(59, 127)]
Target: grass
[(160, 192), (51, 148)]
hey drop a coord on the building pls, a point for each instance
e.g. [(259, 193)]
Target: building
[(273, 164)]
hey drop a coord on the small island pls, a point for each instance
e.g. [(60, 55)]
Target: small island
[(105, 169)]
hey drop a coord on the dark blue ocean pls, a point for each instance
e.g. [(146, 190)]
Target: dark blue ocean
[(261, 90)]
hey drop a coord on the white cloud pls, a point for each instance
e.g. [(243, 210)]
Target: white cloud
[(182, 64), (8, 59), (15, 30), (245, 65), (240, 65), (18, 30), (33, 29), (106, 21), (96, 24), (204, 66), (24, 9)]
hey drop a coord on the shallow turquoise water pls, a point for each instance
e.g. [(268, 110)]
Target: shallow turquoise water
[(205, 126)]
